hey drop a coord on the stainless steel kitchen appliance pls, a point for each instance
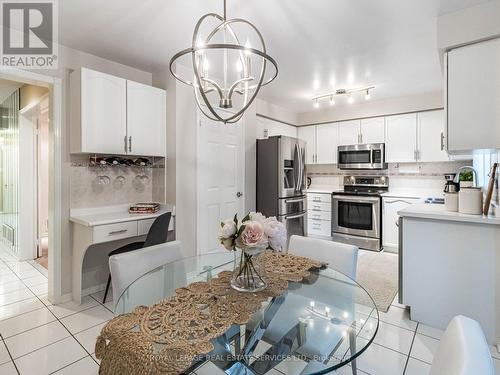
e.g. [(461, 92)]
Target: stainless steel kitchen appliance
[(362, 156), (281, 181), (357, 211)]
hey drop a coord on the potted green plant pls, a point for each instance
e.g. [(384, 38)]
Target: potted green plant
[(466, 179)]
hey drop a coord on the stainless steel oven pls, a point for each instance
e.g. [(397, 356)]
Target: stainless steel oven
[(363, 156), (357, 220)]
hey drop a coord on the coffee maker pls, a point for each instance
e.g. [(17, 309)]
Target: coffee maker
[(451, 186)]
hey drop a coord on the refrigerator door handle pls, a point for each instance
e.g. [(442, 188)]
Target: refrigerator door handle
[(296, 167), (295, 216)]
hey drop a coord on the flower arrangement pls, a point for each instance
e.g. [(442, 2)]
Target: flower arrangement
[(252, 235), (255, 231)]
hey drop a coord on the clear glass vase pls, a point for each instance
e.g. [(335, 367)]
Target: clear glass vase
[(249, 273)]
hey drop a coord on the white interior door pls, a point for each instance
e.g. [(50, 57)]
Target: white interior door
[(220, 179)]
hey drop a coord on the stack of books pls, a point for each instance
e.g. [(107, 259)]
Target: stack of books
[(144, 208)]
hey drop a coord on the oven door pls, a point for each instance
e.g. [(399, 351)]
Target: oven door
[(356, 215)]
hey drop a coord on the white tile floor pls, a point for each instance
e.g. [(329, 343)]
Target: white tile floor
[(39, 338)]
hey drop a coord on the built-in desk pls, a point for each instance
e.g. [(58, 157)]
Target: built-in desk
[(93, 226)]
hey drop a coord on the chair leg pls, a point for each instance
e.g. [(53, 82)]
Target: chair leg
[(107, 289)]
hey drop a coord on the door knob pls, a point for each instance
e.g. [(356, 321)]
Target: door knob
[(239, 194)]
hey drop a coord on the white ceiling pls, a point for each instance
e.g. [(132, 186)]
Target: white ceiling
[(319, 45)]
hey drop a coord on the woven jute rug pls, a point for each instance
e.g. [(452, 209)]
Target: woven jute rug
[(167, 337), (378, 274)]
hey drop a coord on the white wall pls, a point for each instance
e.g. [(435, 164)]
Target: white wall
[(70, 59), (468, 25), (372, 108), (276, 112)]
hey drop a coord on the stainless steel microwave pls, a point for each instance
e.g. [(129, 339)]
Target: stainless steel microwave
[(363, 156)]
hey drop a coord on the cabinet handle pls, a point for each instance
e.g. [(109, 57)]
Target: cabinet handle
[(125, 143), (442, 141), (130, 144), (118, 232)]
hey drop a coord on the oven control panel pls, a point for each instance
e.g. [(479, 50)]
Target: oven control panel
[(371, 181)]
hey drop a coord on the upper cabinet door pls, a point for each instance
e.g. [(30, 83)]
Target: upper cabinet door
[(308, 134), (102, 124), (431, 136), (473, 97), (327, 137), (146, 120), (401, 138), (349, 132), (373, 130)]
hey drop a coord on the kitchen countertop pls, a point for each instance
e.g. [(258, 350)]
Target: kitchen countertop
[(438, 212), (90, 217), (392, 193), (414, 193), (323, 189)]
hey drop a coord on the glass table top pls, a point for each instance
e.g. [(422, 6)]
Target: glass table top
[(325, 321)]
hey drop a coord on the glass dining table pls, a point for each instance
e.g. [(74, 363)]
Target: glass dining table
[(318, 325)]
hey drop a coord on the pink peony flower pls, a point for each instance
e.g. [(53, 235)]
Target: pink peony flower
[(253, 235)]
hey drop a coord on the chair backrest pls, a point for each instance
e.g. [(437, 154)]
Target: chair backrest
[(158, 232), (463, 350), (127, 267), (340, 257)]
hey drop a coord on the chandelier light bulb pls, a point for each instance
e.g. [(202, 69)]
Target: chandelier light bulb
[(239, 66), (332, 101), (247, 48), (316, 104), (367, 96)]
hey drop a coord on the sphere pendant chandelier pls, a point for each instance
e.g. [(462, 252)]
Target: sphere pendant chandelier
[(229, 66)]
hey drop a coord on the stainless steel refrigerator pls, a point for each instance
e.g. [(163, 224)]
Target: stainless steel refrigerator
[(281, 181)]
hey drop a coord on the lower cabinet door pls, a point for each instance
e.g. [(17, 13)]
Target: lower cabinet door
[(390, 231), (319, 227)]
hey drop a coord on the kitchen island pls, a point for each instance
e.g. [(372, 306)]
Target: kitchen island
[(450, 265)]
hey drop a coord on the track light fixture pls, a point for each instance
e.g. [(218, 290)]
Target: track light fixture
[(343, 92)]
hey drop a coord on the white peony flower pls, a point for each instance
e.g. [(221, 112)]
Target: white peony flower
[(228, 229), (257, 216), (276, 233)]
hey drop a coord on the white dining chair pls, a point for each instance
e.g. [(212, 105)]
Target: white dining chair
[(340, 257), (463, 350), (127, 267)]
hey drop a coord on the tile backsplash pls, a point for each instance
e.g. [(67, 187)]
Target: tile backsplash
[(92, 186), (403, 175)]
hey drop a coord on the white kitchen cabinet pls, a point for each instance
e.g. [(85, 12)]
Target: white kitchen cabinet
[(98, 111), (146, 120), (319, 214), (401, 138), (472, 97), (431, 137), (327, 137), (268, 128), (373, 130), (110, 115), (308, 134), (391, 206), (349, 132)]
